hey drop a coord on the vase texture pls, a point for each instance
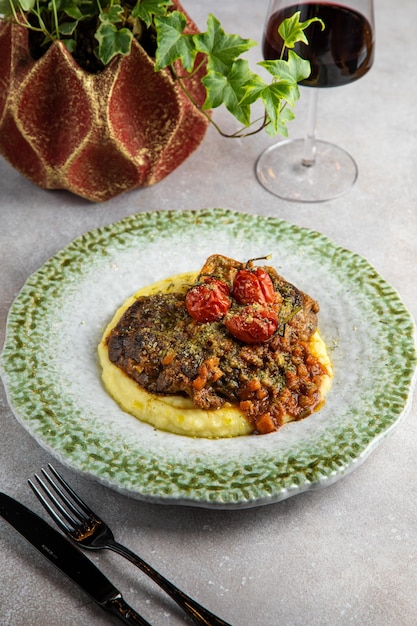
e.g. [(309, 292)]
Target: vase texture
[(96, 135)]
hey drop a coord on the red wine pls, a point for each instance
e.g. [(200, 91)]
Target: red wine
[(340, 54)]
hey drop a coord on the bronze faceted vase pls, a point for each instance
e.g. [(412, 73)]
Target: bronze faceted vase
[(96, 135)]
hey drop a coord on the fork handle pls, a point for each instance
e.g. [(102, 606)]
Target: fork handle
[(198, 613), (119, 607)]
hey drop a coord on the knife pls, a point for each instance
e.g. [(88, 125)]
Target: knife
[(68, 559)]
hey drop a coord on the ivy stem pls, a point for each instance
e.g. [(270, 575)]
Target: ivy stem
[(55, 18), (22, 19), (238, 134), (192, 73), (42, 28)]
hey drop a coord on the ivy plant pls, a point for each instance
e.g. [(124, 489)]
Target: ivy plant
[(95, 31)]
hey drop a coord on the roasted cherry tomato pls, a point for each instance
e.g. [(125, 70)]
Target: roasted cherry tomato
[(209, 300), (253, 285), (253, 324)]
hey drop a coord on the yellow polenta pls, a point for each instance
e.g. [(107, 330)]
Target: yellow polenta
[(177, 414)]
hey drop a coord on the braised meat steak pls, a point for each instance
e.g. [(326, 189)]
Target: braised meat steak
[(167, 352)]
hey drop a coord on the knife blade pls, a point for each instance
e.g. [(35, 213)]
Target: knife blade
[(64, 555)]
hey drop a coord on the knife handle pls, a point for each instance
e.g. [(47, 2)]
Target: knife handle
[(119, 607)]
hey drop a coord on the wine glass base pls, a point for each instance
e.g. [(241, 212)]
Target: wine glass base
[(281, 171)]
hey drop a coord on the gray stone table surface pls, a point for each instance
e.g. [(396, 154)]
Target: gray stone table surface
[(342, 555)]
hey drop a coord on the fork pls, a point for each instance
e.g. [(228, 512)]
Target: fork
[(75, 518)]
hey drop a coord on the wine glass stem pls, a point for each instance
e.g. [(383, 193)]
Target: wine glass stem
[(309, 151)]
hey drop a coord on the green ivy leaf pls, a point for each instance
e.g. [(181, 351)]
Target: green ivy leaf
[(222, 49), (279, 125), (230, 90), (273, 98), (74, 12), (5, 8), (69, 44), (276, 91), (112, 14), (147, 9), (295, 68), (67, 28), (69, 7), (292, 30), (172, 43), (112, 41), (88, 8), (26, 5)]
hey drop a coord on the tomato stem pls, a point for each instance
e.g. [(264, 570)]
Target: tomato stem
[(259, 258)]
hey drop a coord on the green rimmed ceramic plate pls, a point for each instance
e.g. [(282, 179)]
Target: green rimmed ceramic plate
[(50, 371)]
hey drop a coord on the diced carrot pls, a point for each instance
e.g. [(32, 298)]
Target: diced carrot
[(245, 406), (216, 373), (265, 424), (292, 379), (253, 385), (168, 358), (261, 394), (302, 371), (200, 381)]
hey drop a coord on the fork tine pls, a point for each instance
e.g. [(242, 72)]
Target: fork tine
[(70, 506), (83, 506), (59, 521), (56, 501)]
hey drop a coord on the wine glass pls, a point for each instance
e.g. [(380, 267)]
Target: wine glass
[(309, 170)]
